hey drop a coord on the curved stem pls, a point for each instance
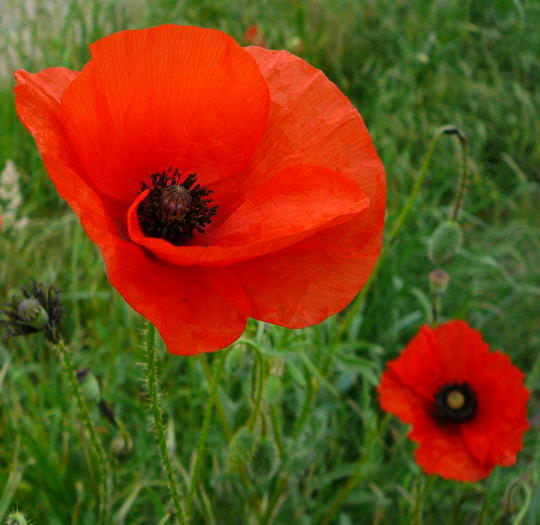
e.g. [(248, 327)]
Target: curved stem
[(399, 223), (104, 474), (208, 412), (260, 388), (157, 413), (464, 180)]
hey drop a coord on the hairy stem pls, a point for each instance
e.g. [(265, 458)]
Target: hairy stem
[(157, 414), (97, 450)]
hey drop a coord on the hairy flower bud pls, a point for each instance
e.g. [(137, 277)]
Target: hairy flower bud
[(89, 385), (263, 461), (274, 390), (445, 242), (17, 518), (241, 449)]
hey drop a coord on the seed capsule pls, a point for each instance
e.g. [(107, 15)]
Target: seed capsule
[(32, 313), (175, 202)]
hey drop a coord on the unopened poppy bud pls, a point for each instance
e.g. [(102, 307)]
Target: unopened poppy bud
[(89, 385), (274, 390), (445, 242), (122, 445), (263, 461), (241, 449), (17, 518), (438, 281), (32, 313)]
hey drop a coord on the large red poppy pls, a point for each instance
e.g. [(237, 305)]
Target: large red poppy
[(467, 405), (297, 190)]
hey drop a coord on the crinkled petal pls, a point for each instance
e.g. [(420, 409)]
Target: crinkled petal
[(178, 96), (196, 309), (294, 205), (312, 123)]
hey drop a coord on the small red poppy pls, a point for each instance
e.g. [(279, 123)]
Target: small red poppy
[(219, 182), (467, 405)]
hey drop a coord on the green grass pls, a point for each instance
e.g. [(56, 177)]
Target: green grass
[(410, 67)]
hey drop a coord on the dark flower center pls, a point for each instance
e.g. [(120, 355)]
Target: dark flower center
[(455, 403), (174, 209)]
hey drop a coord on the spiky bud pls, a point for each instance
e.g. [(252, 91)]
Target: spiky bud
[(89, 385), (241, 449), (445, 242), (263, 462), (438, 282), (17, 518)]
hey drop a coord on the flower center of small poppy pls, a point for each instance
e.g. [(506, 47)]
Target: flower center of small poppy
[(455, 403), (174, 209)]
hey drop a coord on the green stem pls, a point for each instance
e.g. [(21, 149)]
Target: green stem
[(98, 452), (260, 388), (157, 413), (464, 179), (344, 491), (208, 412), (399, 223), (219, 405)]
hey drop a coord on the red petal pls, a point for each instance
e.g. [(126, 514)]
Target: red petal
[(447, 455), (196, 309), (494, 436), (419, 365), (177, 96), (294, 205), (312, 123)]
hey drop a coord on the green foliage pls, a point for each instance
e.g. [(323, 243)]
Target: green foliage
[(410, 67)]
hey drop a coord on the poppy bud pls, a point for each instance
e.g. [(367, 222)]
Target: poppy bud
[(89, 385), (263, 462), (122, 445), (445, 242), (274, 390), (32, 313), (17, 518), (241, 449), (438, 282)]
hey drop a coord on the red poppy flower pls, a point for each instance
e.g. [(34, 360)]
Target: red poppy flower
[(219, 182), (467, 405)]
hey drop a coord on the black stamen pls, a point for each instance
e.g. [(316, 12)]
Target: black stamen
[(455, 403), (174, 210)]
